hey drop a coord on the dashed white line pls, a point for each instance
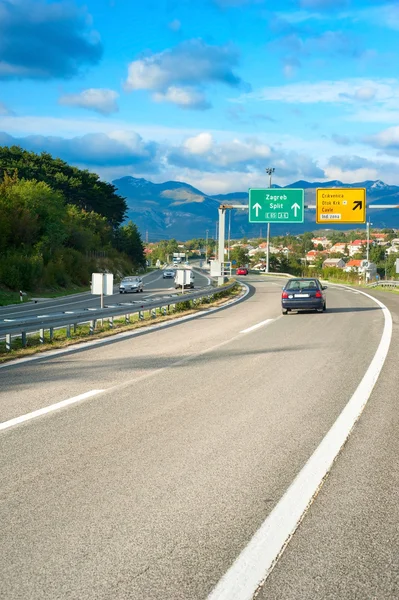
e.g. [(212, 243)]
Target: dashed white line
[(256, 561), (261, 324), (48, 409)]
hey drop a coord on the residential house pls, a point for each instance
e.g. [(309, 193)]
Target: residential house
[(338, 248), (262, 249), (338, 263), (357, 246), (311, 256), (392, 250), (353, 266), (363, 267), (321, 240), (380, 238)]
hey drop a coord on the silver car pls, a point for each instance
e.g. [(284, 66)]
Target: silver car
[(131, 284)]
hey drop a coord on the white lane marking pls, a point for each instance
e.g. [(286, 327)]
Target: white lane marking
[(125, 334), (47, 409), (256, 561), (253, 327)]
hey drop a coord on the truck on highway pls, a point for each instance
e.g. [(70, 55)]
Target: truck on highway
[(184, 278)]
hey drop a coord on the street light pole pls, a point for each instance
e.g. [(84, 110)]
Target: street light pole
[(206, 247), (269, 171), (228, 243)]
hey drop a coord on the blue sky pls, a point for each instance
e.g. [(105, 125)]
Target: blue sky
[(205, 91)]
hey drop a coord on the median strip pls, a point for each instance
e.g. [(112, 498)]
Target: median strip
[(64, 340)]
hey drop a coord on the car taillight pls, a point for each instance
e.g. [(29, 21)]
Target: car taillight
[(318, 294), (284, 295)]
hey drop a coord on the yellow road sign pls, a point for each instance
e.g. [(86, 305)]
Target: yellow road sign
[(340, 205)]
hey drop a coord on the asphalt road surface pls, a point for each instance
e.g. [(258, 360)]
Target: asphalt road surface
[(154, 285), (151, 487)]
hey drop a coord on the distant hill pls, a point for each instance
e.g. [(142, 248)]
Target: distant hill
[(177, 209)]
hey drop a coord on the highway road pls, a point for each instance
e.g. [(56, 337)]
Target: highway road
[(154, 285), (178, 445)]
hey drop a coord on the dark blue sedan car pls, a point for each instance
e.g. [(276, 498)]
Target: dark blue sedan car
[(303, 294)]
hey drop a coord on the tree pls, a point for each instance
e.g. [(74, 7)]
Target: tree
[(45, 242), (77, 186), (306, 242), (128, 240), (337, 237), (240, 255), (377, 254)]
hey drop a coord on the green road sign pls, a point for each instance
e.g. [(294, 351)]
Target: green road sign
[(276, 206)]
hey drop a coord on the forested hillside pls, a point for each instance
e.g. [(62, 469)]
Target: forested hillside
[(58, 224)]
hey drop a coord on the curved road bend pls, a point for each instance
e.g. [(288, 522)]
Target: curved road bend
[(151, 488)]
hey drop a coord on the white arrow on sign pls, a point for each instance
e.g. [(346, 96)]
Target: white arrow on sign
[(296, 207), (257, 206)]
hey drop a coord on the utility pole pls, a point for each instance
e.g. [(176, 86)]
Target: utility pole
[(269, 171), (206, 247), (367, 271), (368, 241)]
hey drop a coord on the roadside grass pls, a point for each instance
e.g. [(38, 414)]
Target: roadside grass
[(8, 297), (380, 288), (62, 338)]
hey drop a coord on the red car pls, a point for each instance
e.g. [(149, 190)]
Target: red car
[(242, 271)]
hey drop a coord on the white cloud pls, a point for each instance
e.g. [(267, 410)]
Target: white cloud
[(173, 72), (322, 4), (299, 16), (352, 169), (4, 110), (386, 140), (183, 97), (383, 15), (199, 144), (346, 91), (191, 62), (99, 100), (289, 71), (175, 25)]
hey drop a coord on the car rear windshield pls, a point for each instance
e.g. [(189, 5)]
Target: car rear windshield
[(301, 284)]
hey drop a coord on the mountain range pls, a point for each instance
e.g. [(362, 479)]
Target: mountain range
[(175, 209)]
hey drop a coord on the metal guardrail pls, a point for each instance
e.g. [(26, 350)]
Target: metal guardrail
[(21, 327), (388, 284)]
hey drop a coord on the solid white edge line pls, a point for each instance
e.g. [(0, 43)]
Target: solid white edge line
[(47, 409), (123, 335), (253, 327), (252, 567)]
